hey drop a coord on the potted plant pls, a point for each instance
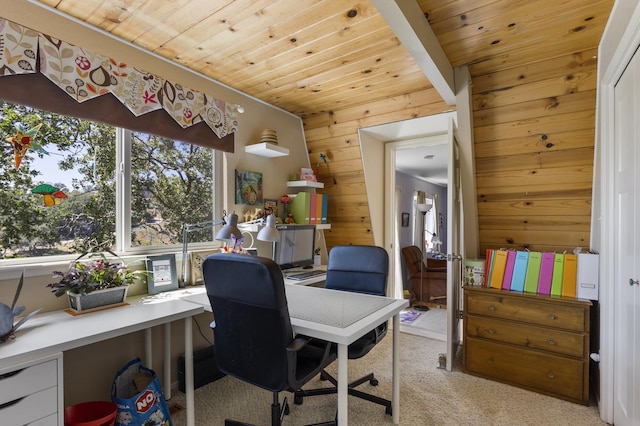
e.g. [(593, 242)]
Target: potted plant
[(95, 283)]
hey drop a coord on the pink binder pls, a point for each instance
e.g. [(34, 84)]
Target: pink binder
[(508, 270), (546, 273)]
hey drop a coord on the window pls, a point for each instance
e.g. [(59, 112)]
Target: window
[(92, 205)]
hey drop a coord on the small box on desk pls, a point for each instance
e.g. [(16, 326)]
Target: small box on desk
[(205, 369)]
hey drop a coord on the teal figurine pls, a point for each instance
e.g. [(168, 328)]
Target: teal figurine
[(8, 315)]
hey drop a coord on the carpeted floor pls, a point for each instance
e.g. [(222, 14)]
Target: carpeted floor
[(428, 396), (431, 324)]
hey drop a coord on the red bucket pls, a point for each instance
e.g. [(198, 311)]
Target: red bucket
[(94, 413)]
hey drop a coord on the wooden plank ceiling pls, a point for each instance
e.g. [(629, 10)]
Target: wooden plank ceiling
[(339, 66), (314, 56)]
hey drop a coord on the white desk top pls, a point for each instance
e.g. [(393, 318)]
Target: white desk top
[(58, 331), (332, 315)]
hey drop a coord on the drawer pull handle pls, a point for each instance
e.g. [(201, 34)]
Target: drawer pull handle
[(492, 331), (551, 316), (492, 308), (10, 403), (552, 342), (551, 375)]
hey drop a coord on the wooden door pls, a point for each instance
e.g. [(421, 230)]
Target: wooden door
[(626, 352), (453, 249)]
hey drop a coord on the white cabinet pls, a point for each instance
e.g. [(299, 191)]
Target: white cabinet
[(31, 393)]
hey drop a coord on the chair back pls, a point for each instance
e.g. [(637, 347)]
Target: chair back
[(252, 327), (412, 259), (361, 269)]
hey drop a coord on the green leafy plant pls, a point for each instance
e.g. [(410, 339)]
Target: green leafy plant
[(88, 276)]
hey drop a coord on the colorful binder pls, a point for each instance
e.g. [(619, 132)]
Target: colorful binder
[(546, 273), (497, 270), (569, 275), (312, 209), (508, 270), (487, 267), (325, 207), (556, 279), (319, 209), (519, 271), (299, 207), (533, 272)]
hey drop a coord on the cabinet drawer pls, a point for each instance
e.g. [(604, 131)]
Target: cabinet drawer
[(549, 374), (30, 409), (51, 420), (529, 336), (25, 381), (557, 315)]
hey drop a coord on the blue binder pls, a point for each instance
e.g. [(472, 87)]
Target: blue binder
[(519, 271)]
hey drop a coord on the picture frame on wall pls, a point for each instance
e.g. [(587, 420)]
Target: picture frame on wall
[(270, 207), (405, 219), (248, 188), (162, 274)]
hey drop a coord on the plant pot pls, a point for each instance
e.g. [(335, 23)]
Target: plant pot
[(99, 299)]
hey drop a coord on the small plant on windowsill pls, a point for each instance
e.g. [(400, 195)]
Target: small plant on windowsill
[(104, 280)]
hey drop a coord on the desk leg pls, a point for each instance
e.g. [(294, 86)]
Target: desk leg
[(188, 371), (343, 385), (167, 360), (395, 399)]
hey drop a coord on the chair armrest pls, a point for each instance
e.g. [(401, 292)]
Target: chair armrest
[(298, 343)]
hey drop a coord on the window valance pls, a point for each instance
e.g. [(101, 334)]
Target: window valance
[(40, 71)]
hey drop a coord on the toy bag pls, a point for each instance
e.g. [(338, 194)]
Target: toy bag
[(137, 392)]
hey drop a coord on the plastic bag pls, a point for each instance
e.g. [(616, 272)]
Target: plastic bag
[(137, 392)]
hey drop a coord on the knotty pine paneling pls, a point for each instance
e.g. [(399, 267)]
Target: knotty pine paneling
[(534, 137), (335, 134)]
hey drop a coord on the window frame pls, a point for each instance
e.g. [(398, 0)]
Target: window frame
[(123, 200)]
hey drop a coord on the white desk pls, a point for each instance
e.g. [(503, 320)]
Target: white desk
[(53, 332), (340, 317)]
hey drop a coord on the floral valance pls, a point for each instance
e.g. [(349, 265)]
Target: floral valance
[(85, 76)]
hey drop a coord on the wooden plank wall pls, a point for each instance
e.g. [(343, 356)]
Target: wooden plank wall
[(534, 129), (336, 135)]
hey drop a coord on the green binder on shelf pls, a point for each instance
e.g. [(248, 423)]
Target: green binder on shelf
[(300, 206), (556, 279), (533, 272)]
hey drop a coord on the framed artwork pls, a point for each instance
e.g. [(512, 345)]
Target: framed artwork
[(248, 188), (162, 274), (405, 219), (270, 207)]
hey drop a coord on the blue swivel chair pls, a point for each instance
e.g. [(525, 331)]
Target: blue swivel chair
[(361, 269), (253, 338)]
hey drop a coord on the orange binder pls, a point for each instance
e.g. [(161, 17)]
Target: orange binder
[(569, 275), (497, 271)]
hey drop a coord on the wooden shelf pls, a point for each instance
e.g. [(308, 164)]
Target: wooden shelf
[(265, 149), (304, 184)]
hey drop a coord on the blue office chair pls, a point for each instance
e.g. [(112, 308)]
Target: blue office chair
[(361, 269), (254, 341)]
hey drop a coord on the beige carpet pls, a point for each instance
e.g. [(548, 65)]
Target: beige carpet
[(428, 396)]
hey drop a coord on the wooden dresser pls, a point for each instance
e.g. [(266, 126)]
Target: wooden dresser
[(530, 341)]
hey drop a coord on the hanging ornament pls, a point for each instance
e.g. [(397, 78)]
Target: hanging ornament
[(52, 195), (22, 141)]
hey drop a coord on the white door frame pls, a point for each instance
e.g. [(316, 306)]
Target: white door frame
[(622, 37)]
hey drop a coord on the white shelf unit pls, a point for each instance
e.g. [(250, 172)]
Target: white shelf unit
[(304, 184), (265, 149)]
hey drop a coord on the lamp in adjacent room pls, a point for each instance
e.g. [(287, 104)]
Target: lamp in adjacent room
[(422, 208), (270, 233), (224, 234)]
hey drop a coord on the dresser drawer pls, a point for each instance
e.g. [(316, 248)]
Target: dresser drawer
[(529, 336), (546, 373), (25, 381), (549, 314), (33, 408)]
